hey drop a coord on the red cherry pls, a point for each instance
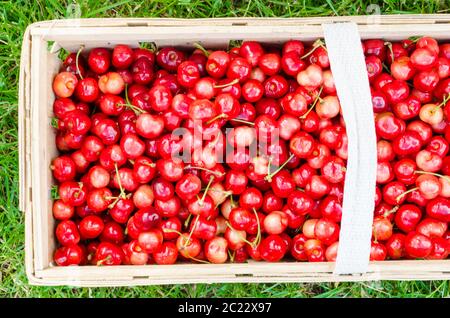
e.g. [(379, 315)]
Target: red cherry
[(90, 227), (69, 255), (108, 254), (272, 248), (170, 58), (67, 233), (395, 246), (418, 245)]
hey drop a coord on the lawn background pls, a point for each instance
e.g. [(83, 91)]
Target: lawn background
[(14, 18)]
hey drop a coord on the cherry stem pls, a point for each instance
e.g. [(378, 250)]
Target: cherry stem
[(444, 101), (188, 219), (271, 175), (136, 110), (122, 191), (313, 105), (151, 165), (127, 100), (433, 174), (318, 43), (217, 173), (237, 232), (201, 48), (231, 256), (198, 260), (393, 210), (243, 121), (172, 231), (405, 193), (215, 118), (102, 261), (192, 231), (391, 51), (258, 235), (76, 61), (206, 190), (235, 81)]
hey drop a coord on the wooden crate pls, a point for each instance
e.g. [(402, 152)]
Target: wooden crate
[(37, 147)]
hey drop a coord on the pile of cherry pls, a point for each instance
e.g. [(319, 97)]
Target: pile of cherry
[(145, 173)]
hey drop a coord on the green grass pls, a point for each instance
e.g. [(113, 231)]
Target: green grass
[(16, 15)]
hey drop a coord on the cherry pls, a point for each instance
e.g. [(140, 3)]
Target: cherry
[(314, 250), (108, 254), (64, 84), (272, 248), (190, 247), (169, 207), (107, 130), (122, 210), (188, 186), (111, 105), (407, 217), (418, 245), (98, 177), (439, 208), (317, 187), (422, 128), (111, 83), (298, 247), (311, 77), (408, 108), (326, 231), (142, 71), (143, 197), (87, 90), (67, 233), (132, 146), (72, 193), (300, 203), (331, 252), (150, 240), (407, 143), (431, 228), (291, 63), (239, 69), (440, 249), (378, 252), (90, 227), (236, 181), (98, 200), (111, 156), (331, 208), (302, 144), (133, 254), (423, 59), (275, 222), (374, 67), (146, 219), (99, 60), (122, 56), (62, 211), (251, 51), (216, 250), (428, 161), (64, 168), (392, 192), (381, 229), (166, 254), (439, 146), (170, 58), (395, 246), (69, 255)]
